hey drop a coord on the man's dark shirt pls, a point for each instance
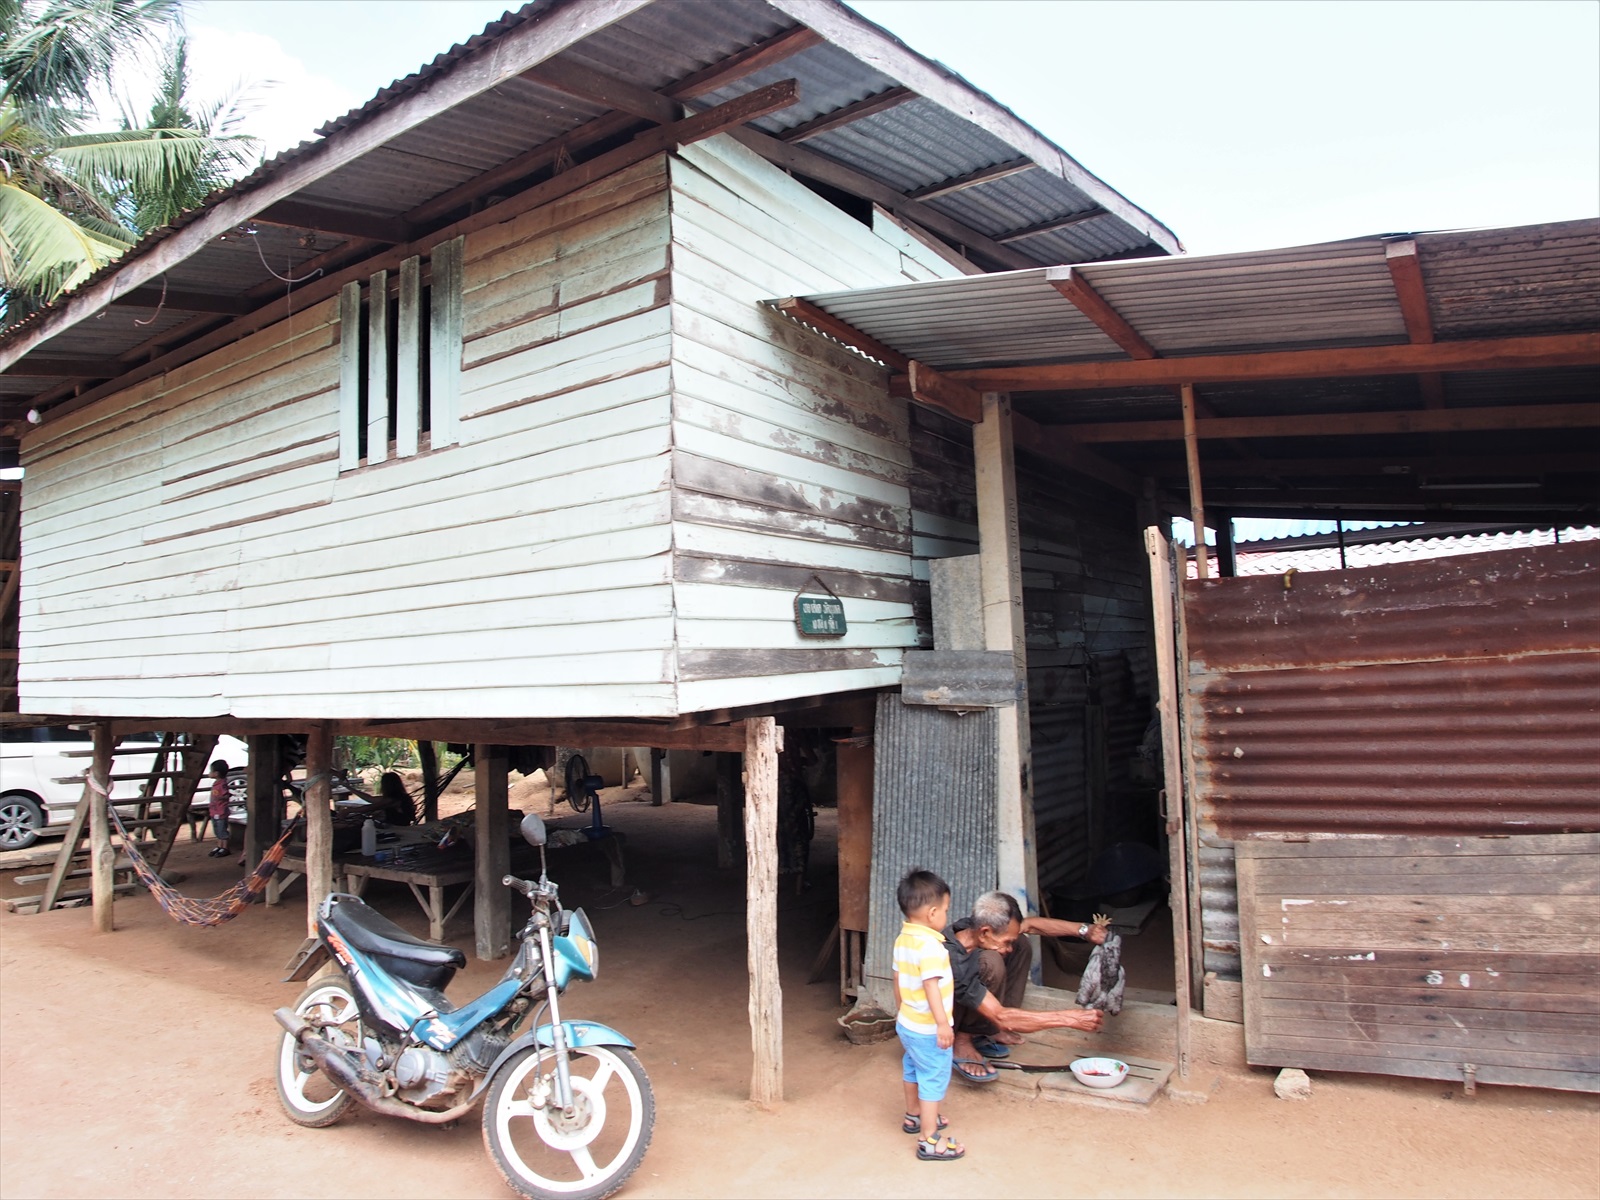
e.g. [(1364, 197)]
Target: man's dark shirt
[(969, 989)]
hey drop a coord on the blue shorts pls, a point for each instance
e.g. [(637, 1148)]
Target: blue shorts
[(219, 828), (925, 1064)]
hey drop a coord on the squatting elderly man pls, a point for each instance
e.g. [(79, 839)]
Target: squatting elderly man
[(991, 963)]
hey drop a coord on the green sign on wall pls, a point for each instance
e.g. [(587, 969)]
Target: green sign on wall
[(819, 616)]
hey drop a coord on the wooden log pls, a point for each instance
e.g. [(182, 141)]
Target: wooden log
[(1197, 504), (853, 775), (318, 811), (660, 777), (491, 911), (761, 914), (102, 860)]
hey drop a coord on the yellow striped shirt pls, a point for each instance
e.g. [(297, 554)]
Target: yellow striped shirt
[(919, 954)]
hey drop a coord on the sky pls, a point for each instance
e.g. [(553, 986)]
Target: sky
[(1238, 125)]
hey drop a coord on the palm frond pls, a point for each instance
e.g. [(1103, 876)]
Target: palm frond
[(46, 252)]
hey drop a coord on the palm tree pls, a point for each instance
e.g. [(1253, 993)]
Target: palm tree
[(70, 200)]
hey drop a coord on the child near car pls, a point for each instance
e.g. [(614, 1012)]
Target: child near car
[(924, 991), (219, 807)]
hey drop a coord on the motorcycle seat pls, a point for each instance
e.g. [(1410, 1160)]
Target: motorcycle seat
[(369, 931)]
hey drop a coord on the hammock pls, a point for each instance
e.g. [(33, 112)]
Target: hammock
[(187, 910)]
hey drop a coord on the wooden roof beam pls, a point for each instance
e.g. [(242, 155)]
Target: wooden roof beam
[(1406, 467), (1405, 269), (1052, 226), (67, 368), (194, 302), (1005, 170), (746, 62), (1071, 284), (936, 390), (840, 117), (1477, 354), (1450, 420), (294, 214), (586, 83)]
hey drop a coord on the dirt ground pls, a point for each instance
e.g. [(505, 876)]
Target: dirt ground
[(138, 1064)]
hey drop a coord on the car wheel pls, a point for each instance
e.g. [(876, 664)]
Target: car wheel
[(21, 819)]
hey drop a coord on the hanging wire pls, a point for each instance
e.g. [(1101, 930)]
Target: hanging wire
[(162, 303), (280, 278)]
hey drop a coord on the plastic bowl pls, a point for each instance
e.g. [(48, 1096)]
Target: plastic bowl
[(1100, 1072)]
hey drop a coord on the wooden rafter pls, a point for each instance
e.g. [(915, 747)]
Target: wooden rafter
[(1071, 284), (746, 62), (194, 302), (772, 98), (295, 214), (804, 310), (1478, 354), (67, 368), (1005, 170), (1052, 226), (586, 83), (840, 117), (1405, 269), (936, 390), (1398, 467), (1450, 420)]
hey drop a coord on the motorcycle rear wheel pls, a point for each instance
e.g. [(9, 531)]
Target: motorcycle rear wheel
[(310, 1098), (548, 1157)]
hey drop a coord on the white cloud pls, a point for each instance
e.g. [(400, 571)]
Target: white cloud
[(284, 101)]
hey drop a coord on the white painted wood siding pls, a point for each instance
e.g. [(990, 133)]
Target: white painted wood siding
[(789, 456), (192, 548)]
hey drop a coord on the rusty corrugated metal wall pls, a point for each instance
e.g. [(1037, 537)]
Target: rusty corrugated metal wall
[(933, 806), (1450, 696)]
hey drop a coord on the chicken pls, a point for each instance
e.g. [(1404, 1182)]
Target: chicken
[(1103, 977)]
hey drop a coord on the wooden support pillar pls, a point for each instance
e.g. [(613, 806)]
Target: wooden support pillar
[(1003, 629), (429, 758), (730, 811), (1197, 503), (263, 797), (1162, 595), (491, 913), (660, 777), (102, 873), (853, 775), (318, 811), (1227, 561), (763, 740)]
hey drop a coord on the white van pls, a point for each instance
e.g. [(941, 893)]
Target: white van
[(33, 761)]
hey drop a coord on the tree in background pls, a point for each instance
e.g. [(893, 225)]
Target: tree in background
[(71, 199)]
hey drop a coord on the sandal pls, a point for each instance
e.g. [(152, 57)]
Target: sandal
[(913, 1123), (974, 1070), (990, 1048), (938, 1149)]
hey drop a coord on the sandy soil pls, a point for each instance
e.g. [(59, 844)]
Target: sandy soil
[(138, 1064)]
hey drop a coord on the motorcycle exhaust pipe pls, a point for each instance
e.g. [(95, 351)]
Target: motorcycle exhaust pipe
[(359, 1083)]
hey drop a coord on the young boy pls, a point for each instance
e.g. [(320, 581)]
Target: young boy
[(924, 990), (218, 808)]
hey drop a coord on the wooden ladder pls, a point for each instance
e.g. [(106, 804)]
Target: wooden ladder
[(166, 792)]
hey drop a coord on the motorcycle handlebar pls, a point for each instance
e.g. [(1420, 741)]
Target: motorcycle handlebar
[(522, 885)]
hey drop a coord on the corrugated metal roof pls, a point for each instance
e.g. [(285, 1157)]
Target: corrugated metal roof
[(1538, 279), (1372, 554), (912, 146)]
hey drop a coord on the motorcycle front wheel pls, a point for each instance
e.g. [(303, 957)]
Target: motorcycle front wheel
[(547, 1155), (309, 1097)]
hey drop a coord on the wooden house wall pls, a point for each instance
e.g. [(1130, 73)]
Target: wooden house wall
[(1087, 612), (789, 456), (193, 549)]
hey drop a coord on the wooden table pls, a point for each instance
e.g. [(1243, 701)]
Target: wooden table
[(427, 880)]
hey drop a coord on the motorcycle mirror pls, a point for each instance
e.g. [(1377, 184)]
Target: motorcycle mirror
[(533, 831)]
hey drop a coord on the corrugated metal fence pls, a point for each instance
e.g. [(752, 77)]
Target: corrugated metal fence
[(933, 806), (1451, 696)]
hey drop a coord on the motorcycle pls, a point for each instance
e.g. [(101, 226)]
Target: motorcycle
[(568, 1110)]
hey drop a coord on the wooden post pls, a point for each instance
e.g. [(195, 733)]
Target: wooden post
[(491, 909), (1227, 559), (730, 810), (853, 775), (660, 777), (1161, 594), (762, 743), (263, 798), (1003, 629), (102, 877), (318, 812), (429, 758), (1197, 503)]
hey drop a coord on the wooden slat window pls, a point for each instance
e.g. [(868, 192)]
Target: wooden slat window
[(400, 359)]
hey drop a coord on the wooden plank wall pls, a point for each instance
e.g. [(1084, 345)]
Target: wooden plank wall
[(1087, 608), (193, 548), (789, 456), (1424, 956)]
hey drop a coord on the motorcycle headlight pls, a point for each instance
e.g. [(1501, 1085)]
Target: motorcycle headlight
[(590, 952)]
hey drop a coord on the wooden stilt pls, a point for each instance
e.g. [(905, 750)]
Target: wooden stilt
[(102, 881), (1197, 503), (263, 798), (1003, 629), (492, 901), (1161, 594), (429, 758), (730, 811), (318, 799), (761, 916)]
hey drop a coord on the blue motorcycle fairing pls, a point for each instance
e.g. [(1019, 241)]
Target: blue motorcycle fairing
[(579, 1033), (444, 1027), (574, 950)]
